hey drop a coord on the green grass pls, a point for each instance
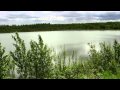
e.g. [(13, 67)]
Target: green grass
[(40, 62)]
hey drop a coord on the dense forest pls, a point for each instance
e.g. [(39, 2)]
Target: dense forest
[(55, 27)]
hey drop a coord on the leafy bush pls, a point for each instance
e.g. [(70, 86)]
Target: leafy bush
[(20, 57), (4, 63), (34, 63), (107, 58), (38, 62), (40, 59)]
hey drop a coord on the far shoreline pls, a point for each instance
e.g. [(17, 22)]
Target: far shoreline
[(111, 26), (55, 31)]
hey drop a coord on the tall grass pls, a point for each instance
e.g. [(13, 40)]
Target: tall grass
[(39, 62)]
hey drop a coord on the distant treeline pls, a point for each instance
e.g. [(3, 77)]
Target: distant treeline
[(55, 27)]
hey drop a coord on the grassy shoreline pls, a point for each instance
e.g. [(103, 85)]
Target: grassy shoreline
[(40, 62)]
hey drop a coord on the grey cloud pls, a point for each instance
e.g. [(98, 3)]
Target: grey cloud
[(86, 18), (78, 17), (3, 20), (24, 16), (109, 16), (71, 14), (57, 11)]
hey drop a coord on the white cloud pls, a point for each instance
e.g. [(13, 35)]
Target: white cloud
[(29, 17)]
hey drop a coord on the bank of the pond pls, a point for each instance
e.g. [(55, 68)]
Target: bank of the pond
[(37, 62)]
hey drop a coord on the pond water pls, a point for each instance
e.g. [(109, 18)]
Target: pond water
[(71, 40)]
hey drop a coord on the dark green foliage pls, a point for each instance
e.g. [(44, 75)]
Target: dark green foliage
[(4, 63), (38, 62), (116, 47), (107, 59), (20, 56), (58, 27), (34, 63)]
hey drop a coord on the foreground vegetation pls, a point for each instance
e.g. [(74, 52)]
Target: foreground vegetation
[(56, 27), (39, 62)]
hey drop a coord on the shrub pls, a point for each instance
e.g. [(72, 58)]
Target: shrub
[(4, 64), (20, 57), (34, 63), (40, 59)]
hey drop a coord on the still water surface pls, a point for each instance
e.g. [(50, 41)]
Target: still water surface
[(71, 40)]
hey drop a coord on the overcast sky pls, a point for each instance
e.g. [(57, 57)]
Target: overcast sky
[(31, 17)]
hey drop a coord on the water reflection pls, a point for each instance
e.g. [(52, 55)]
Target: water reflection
[(72, 40)]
